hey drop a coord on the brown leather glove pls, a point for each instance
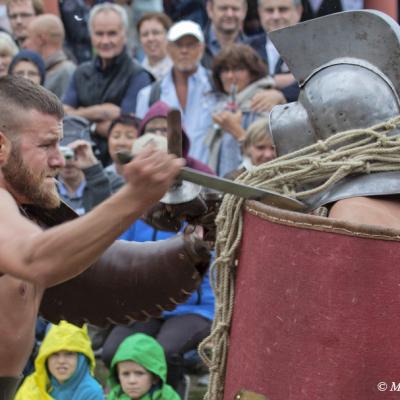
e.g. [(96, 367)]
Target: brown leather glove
[(131, 281), (200, 211)]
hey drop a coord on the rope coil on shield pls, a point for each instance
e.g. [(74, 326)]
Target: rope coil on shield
[(299, 174)]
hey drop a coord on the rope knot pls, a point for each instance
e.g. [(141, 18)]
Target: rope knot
[(389, 126), (315, 163), (321, 146), (382, 141)]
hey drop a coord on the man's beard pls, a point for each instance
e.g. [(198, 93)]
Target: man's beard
[(24, 183), (231, 29)]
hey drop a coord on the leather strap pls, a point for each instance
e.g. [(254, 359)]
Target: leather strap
[(8, 387)]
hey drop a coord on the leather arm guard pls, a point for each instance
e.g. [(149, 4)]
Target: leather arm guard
[(8, 387), (131, 281)]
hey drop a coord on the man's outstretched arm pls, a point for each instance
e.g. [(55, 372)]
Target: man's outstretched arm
[(60, 253)]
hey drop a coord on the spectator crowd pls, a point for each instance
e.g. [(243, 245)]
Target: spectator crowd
[(119, 67)]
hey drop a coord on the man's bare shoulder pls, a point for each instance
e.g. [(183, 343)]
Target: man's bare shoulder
[(12, 224), (7, 200), (9, 210), (368, 210)]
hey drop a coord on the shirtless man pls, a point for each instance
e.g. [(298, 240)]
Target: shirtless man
[(33, 259)]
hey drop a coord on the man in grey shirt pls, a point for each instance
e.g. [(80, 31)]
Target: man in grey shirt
[(46, 36)]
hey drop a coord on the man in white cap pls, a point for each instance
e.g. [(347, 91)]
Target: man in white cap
[(186, 87)]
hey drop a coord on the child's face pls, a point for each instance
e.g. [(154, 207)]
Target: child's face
[(135, 380), (121, 138), (62, 365), (158, 126), (262, 151)]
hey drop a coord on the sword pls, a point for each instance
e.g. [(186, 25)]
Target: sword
[(231, 187)]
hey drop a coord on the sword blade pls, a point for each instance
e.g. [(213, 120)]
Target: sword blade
[(231, 187), (241, 190)]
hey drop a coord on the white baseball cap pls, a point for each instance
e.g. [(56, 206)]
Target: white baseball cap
[(183, 28)]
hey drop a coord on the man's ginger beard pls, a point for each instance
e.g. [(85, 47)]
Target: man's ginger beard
[(34, 188)]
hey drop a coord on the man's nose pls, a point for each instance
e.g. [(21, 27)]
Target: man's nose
[(57, 159), (276, 14), (105, 39), (184, 48), (229, 12)]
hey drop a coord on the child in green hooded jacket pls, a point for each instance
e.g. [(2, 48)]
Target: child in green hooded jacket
[(139, 371)]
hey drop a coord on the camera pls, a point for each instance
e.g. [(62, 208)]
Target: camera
[(67, 152)]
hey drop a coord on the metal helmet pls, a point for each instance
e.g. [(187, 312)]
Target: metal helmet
[(347, 65)]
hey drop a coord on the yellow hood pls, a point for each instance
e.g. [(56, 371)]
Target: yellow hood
[(66, 337)]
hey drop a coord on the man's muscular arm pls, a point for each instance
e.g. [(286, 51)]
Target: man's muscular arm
[(60, 253)]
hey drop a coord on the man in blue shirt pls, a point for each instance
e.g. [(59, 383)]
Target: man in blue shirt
[(186, 87), (277, 14), (227, 17)]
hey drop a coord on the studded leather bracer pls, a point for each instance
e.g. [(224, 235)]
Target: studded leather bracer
[(130, 281)]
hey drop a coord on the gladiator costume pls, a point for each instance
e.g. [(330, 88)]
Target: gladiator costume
[(311, 304)]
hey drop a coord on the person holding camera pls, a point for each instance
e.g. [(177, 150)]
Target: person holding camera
[(82, 182)]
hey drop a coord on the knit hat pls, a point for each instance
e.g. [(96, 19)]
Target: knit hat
[(33, 57)]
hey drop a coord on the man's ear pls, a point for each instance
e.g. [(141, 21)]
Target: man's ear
[(43, 38), (245, 7), (299, 12), (209, 8), (5, 148)]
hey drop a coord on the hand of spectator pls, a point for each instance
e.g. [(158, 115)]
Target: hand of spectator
[(283, 80), (102, 128), (150, 174), (108, 111), (84, 156), (264, 101), (231, 122)]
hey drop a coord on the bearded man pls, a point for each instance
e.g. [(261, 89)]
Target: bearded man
[(33, 259)]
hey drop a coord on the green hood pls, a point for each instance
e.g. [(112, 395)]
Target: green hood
[(146, 351)]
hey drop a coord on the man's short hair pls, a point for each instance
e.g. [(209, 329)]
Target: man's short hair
[(37, 5), (295, 3), (106, 7), (243, 1), (19, 95)]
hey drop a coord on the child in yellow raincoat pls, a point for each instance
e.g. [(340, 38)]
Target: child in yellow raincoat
[(63, 368)]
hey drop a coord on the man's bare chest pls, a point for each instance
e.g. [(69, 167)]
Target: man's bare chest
[(18, 296)]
